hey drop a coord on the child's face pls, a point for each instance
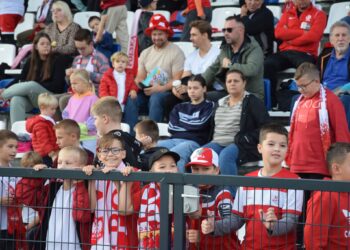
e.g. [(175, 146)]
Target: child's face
[(112, 155), (120, 64), (65, 139), (273, 149), (165, 164), (8, 150), (343, 173), (100, 124), (79, 86), (196, 169), (195, 91), (144, 139), (48, 110), (67, 160), (94, 25)]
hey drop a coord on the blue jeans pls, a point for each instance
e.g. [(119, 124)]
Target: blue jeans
[(153, 105), (131, 114), (182, 147), (227, 157)]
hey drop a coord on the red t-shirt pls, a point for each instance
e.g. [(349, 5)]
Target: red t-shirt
[(249, 200), (328, 221)]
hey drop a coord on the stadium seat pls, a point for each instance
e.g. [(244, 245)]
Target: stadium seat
[(33, 5), (336, 12), (7, 53), (219, 16), (163, 130), (221, 3), (276, 10), (216, 43), (130, 20), (165, 13), (186, 47), (82, 18), (125, 127), (27, 24)]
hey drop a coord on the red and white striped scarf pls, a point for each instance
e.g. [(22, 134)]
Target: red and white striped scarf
[(109, 228), (148, 224), (133, 45)]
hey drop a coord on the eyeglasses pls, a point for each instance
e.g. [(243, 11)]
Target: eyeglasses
[(114, 151), (304, 86), (229, 30)]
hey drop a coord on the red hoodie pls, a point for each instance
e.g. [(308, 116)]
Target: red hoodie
[(43, 135), (105, 4)]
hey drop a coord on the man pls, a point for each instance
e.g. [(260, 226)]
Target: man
[(196, 62), (300, 30), (318, 120), (90, 59), (240, 52), (259, 23), (334, 63), (159, 65)]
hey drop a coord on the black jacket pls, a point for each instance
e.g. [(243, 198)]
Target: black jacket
[(253, 116)]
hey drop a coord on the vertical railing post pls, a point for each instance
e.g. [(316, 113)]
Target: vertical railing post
[(179, 218), (165, 233)]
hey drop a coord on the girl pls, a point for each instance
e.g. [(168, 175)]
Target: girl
[(79, 106), (114, 225)]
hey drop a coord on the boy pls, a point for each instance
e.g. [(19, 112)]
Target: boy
[(270, 214), (147, 133), (119, 82), (106, 44), (217, 201), (41, 128), (8, 228), (67, 133), (108, 114), (64, 207), (327, 221)]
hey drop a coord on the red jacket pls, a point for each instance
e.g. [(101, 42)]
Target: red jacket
[(197, 5), (109, 87), (43, 135), (289, 30), (105, 4), (33, 193)]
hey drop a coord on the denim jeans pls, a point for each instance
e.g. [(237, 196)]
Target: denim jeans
[(153, 105), (131, 114), (227, 157), (182, 147)]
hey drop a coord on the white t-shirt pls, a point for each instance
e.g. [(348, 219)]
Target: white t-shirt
[(61, 233), (12, 7), (120, 78), (197, 64), (7, 186)]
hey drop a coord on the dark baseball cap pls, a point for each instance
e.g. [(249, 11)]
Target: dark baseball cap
[(160, 153)]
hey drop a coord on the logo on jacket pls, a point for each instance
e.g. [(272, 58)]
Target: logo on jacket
[(308, 18)]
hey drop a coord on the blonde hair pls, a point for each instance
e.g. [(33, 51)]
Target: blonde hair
[(69, 126), (83, 75), (30, 159), (117, 55), (65, 9), (77, 151), (108, 106), (47, 100)]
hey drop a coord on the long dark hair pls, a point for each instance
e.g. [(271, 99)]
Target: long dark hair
[(35, 59)]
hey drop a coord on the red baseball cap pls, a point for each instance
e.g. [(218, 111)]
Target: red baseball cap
[(205, 157), (159, 22)]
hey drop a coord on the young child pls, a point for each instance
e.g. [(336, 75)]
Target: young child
[(79, 106), (106, 44), (148, 223), (147, 133), (64, 207), (67, 133), (10, 229), (216, 204), (41, 128), (270, 214), (327, 220), (119, 82), (112, 228), (108, 114)]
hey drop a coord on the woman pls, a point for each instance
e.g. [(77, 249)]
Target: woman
[(189, 122), (238, 119), (43, 72), (62, 30)]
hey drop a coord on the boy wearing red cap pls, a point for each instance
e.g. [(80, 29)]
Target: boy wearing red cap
[(159, 65), (270, 214), (216, 205)]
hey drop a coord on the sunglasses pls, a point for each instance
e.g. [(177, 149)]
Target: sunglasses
[(229, 30)]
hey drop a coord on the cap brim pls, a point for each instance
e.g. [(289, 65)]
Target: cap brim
[(174, 155), (199, 163), (148, 31)]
